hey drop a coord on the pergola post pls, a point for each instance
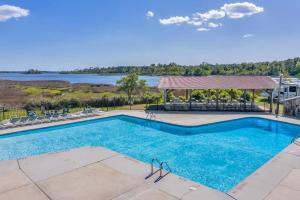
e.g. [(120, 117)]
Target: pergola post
[(190, 102), (252, 102), (165, 97), (186, 94), (217, 102), (271, 101), (244, 97)]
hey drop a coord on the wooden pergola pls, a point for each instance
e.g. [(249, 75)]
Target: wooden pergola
[(190, 83)]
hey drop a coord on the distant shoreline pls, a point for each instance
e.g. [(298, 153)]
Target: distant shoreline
[(57, 72), (73, 78)]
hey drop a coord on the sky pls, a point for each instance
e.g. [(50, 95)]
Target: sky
[(68, 34)]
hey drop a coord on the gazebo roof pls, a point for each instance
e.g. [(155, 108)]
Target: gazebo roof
[(217, 82)]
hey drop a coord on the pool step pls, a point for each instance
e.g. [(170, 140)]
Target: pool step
[(162, 166)]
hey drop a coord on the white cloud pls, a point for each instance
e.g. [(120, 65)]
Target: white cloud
[(240, 10), (8, 12), (175, 20), (195, 23), (207, 20), (214, 25), (202, 29), (212, 14), (248, 35), (150, 14)]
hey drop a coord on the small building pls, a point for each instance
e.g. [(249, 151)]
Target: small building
[(292, 106), (218, 83)]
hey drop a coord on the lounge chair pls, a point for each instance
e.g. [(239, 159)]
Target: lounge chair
[(2, 126), (32, 119), (24, 121), (14, 120), (40, 119), (55, 117)]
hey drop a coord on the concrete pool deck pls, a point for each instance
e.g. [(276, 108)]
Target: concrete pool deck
[(92, 173), (98, 173)]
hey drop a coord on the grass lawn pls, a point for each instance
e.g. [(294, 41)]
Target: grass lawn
[(267, 106)]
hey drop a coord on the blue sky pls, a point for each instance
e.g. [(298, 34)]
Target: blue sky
[(68, 34)]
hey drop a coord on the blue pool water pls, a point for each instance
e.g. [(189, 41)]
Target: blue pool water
[(219, 155)]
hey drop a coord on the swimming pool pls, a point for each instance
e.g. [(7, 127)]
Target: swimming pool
[(218, 155)]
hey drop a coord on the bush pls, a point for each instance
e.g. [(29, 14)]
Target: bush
[(104, 101), (198, 95)]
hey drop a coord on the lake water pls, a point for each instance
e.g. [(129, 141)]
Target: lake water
[(74, 78)]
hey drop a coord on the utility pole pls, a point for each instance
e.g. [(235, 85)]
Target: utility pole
[(278, 98)]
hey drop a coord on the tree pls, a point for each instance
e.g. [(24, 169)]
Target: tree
[(142, 88), (132, 86)]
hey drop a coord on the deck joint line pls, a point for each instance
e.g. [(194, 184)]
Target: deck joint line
[(34, 182), (231, 196)]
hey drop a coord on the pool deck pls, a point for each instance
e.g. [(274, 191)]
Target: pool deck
[(99, 173)]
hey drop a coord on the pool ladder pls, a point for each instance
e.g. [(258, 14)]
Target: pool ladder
[(294, 140), (162, 166), (150, 116)]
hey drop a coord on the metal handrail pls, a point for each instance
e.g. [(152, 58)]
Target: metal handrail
[(152, 167), (150, 115), (161, 171), (294, 140), (161, 168)]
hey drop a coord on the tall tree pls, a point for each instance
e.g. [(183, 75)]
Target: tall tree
[(132, 86)]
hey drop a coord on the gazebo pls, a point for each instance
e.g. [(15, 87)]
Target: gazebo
[(217, 83)]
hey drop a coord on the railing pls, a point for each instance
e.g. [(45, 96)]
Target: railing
[(295, 140), (150, 116), (212, 106), (162, 166)]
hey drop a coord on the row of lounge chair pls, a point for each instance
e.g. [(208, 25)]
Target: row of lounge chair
[(48, 117)]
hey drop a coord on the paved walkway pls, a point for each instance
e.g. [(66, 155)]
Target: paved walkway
[(97, 173), (92, 173)]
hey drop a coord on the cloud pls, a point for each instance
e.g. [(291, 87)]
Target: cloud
[(202, 29), (195, 23), (174, 20), (206, 20), (8, 12), (150, 14), (212, 14), (214, 25), (248, 35), (240, 10)]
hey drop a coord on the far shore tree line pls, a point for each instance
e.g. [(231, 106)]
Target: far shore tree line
[(289, 67)]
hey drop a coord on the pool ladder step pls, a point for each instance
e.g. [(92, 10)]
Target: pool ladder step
[(162, 166)]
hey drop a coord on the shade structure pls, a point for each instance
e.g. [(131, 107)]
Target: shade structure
[(217, 82)]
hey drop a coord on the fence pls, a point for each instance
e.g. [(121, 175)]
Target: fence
[(104, 104)]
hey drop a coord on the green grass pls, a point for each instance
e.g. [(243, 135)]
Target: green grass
[(267, 106), (36, 91), (87, 95), (33, 91), (13, 113), (47, 94)]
